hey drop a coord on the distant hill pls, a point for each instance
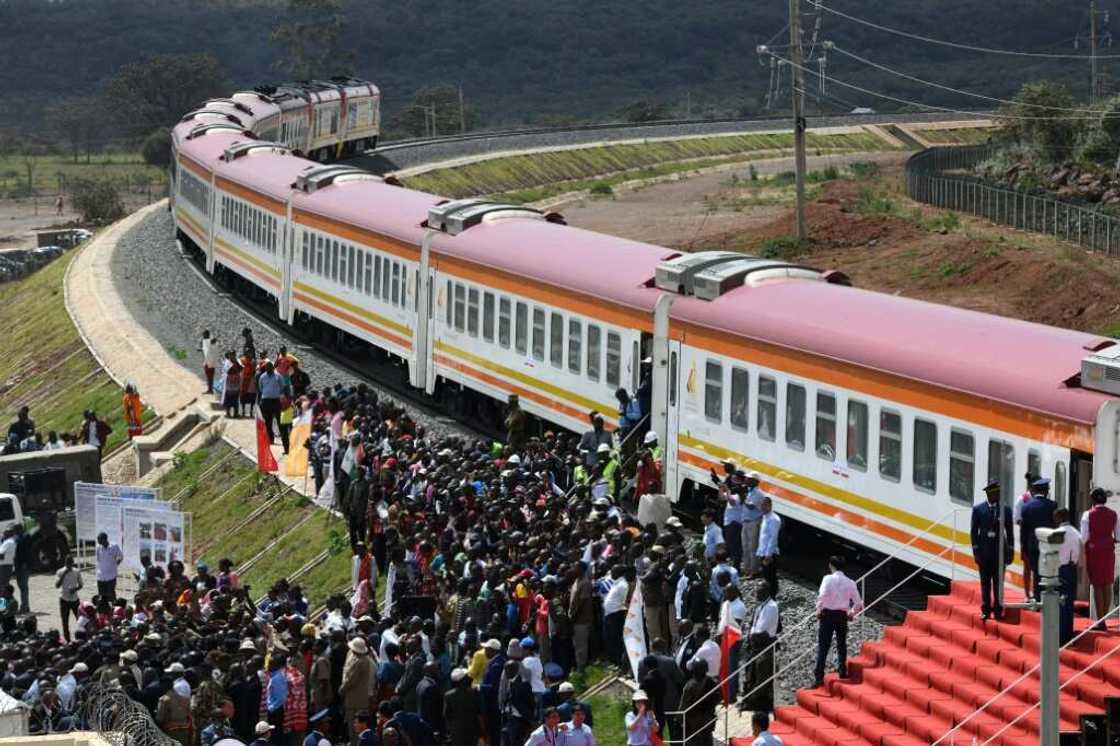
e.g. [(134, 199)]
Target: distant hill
[(543, 60)]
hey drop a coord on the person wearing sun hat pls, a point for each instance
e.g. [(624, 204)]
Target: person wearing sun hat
[(641, 723), (263, 732)]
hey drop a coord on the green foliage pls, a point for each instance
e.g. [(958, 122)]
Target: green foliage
[(940, 222), (864, 169), (949, 269), (601, 188), (753, 172), (179, 459), (434, 110), (160, 89), (337, 541), (97, 199), (784, 247), (645, 110), (156, 149), (1035, 120), (874, 202), (310, 39)]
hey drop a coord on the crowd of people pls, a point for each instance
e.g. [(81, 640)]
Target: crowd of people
[(24, 436), (485, 575)]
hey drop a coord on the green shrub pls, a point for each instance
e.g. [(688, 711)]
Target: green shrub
[(602, 188)]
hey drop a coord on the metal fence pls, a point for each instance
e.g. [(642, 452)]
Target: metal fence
[(121, 721), (938, 176)]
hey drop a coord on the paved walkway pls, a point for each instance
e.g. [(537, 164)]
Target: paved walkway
[(128, 352)]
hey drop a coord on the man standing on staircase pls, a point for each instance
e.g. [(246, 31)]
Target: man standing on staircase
[(837, 602), (985, 532)]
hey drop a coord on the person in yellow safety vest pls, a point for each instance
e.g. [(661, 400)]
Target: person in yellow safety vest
[(612, 471), (651, 445), (580, 474)]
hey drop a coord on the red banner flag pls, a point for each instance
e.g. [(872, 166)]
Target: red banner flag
[(265, 460), (729, 634)]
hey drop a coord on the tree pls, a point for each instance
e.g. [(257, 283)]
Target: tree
[(1035, 120), (161, 89), (310, 37), (98, 200), (156, 149), (440, 100), (644, 110), (80, 122)]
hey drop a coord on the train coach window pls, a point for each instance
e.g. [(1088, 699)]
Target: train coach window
[(575, 345), (395, 297), (504, 321), (890, 445), (305, 254), (962, 466), (1001, 466), (351, 269), (795, 416), (460, 306), (343, 264), (556, 340), (472, 312), (334, 260), (767, 407), (488, 317), (1034, 463), (825, 443), (521, 328), (857, 435), (369, 274), (1059, 493), (740, 398), (713, 391), (320, 256), (614, 359), (594, 351), (448, 302), (538, 333), (386, 273), (925, 455)]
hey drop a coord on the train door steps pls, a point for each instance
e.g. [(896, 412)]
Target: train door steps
[(932, 672)]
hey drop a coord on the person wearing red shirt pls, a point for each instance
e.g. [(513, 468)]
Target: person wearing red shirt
[(1100, 531)]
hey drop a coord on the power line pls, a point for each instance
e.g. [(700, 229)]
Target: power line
[(957, 45), (908, 102), (934, 84)]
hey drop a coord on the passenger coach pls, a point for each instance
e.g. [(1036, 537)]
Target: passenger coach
[(870, 416)]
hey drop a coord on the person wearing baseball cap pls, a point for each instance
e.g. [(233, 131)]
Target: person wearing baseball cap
[(263, 732)]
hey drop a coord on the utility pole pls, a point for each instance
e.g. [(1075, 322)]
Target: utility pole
[(434, 133), (1093, 88), (462, 116), (1049, 542), (798, 87)]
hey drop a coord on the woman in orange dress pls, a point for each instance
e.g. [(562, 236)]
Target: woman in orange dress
[(133, 411)]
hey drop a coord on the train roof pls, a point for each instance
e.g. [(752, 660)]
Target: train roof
[(381, 208), (1018, 362), (603, 267)]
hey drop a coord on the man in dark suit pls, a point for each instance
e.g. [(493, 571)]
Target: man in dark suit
[(986, 527), (688, 645), (462, 710), (1038, 512), (429, 700)]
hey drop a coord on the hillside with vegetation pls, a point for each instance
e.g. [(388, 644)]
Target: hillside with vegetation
[(531, 61)]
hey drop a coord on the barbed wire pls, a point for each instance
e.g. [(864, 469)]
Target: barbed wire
[(119, 719)]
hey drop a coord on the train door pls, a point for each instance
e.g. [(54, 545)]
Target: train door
[(287, 249), (1076, 496), (670, 463)]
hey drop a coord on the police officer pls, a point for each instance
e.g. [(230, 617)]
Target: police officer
[(986, 526), (1037, 513)]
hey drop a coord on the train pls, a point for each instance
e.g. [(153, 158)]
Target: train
[(323, 120), (871, 417)]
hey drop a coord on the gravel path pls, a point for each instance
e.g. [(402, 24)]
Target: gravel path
[(168, 297)]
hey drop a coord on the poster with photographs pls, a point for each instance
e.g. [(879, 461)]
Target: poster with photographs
[(88, 497), (154, 532)]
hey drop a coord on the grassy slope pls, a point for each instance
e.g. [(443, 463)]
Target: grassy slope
[(220, 500), (46, 366), (526, 172)]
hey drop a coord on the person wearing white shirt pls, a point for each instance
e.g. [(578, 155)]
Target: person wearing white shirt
[(109, 557), (733, 611), (578, 732), (837, 601), (759, 686), (209, 348), (768, 532), (1069, 554), (614, 616), (713, 535), (760, 729), (708, 652), (549, 732)]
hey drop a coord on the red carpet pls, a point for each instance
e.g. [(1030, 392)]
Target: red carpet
[(930, 673)]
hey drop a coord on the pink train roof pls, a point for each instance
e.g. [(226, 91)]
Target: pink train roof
[(1003, 359), (389, 210), (601, 266)]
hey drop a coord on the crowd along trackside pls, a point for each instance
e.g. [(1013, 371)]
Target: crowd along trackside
[(868, 415)]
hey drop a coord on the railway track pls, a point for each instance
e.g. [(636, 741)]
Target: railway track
[(408, 153)]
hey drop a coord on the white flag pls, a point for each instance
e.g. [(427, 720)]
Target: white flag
[(390, 581), (634, 630)]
